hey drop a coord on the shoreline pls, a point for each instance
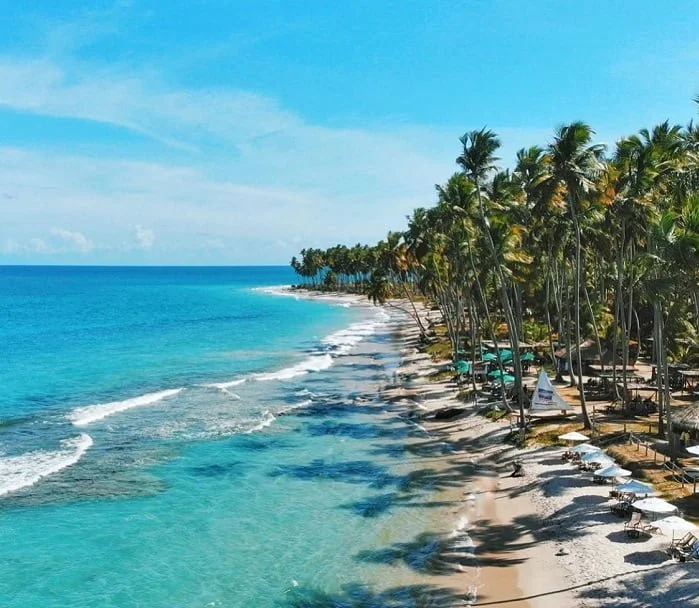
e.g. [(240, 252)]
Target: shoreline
[(493, 559), (485, 554), (545, 540)]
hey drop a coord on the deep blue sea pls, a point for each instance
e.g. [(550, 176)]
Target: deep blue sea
[(196, 437)]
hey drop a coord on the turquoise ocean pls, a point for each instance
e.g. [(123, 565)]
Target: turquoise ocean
[(198, 437)]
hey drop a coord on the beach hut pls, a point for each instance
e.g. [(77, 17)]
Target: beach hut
[(685, 419)]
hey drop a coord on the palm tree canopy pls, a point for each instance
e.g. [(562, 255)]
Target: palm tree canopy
[(478, 156)]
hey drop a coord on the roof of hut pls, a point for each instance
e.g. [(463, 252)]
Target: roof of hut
[(686, 417), (588, 349)]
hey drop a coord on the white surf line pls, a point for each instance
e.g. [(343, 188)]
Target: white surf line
[(83, 416), (25, 470)]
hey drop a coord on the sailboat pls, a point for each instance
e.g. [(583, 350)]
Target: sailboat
[(546, 398)]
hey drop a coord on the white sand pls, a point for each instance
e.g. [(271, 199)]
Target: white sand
[(523, 523)]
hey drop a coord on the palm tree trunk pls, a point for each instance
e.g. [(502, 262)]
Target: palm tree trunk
[(548, 316), (587, 423), (491, 328), (569, 341), (507, 308), (598, 341), (658, 331)]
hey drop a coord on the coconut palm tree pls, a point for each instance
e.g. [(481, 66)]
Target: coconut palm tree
[(576, 164), (478, 161)]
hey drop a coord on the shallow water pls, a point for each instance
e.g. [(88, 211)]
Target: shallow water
[(230, 450)]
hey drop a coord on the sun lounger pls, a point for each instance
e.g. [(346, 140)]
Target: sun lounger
[(634, 526), (686, 549)]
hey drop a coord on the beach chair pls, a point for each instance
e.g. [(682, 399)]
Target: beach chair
[(634, 526), (686, 549), (621, 508)]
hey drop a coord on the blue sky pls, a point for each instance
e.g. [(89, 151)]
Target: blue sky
[(237, 132)]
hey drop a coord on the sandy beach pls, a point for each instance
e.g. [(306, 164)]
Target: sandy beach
[(543, 540)]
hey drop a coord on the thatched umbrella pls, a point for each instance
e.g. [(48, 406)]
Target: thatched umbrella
[(686, 418)]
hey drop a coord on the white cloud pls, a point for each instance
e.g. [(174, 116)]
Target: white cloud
[(243, 168), (72, 240), (32, 245), (144, 237)]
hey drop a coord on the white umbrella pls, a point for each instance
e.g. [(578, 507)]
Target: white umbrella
[(654, 505), (692, 449), (673, 524), (634, 487), (574, 436), (612, 471), (585, 448), (599, 457)]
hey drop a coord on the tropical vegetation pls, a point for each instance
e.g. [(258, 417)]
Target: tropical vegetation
[(577, 241)]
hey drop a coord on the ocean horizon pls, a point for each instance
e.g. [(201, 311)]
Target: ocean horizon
[(197, 436)]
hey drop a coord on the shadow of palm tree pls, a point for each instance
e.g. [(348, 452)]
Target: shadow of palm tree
[(354, 472), (667, 584), (374, 506), (360, 596)]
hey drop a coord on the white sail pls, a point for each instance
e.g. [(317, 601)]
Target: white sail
[(546, 398)]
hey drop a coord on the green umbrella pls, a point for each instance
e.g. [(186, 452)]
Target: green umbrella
[(506, 379), (506, 355), (527, 357), (463, 367), (496, 374), (489, 357)]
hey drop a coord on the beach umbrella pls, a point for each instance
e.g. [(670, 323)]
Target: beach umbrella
[(599, 457), (574, 436), (654, 505), (673, 525), (613, 471), (489, 357), (506, 355), (585, 448), (693, 449), (463, 367), (506, 379), (496, 373), (634, 487), (527, 357)]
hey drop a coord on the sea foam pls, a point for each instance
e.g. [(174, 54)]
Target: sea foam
[(336, 344), (314, 363), (224, 385), (17, 472), (86, 415), (267, 419), (343, 341)]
